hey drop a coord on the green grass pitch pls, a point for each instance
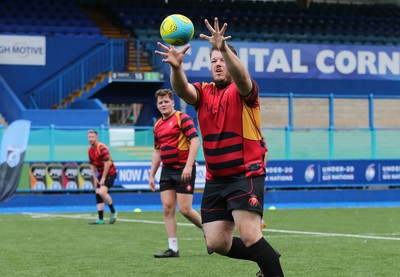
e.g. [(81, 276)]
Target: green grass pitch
[(313, 242)]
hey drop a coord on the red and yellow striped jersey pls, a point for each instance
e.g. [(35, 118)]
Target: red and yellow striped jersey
[(98, 155), (230, 127), (172, 136)]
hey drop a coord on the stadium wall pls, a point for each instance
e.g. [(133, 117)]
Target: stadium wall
[(86, 113), (151, 201)]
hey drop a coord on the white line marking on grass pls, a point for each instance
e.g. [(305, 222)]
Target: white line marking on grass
[(88, 216), (42, 215), (191, 239), (330, 234)]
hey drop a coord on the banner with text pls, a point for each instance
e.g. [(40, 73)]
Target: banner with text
[(23, 50), (335, 173), (303, 61), (280, 174), (135, 175), (74, 176), (59, 176), (286, 174)]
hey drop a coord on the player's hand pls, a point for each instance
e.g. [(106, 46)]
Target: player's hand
[(102, 181), (186, 174), (172, 55), (217, 38), (152, 185)]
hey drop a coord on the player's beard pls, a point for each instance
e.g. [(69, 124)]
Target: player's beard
[(222, 82)]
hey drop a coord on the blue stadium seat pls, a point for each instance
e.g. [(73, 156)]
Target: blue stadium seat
[(44, 17), (253, 20)]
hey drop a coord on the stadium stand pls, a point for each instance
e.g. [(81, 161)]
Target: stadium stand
[(50, 18), (260, 21), (272, 21), (268, 21)]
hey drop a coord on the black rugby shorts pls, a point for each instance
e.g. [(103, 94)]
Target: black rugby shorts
[(109, 181), (171, 179), (221, 198)]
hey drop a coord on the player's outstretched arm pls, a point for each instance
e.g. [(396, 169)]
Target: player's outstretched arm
[(236, 69), (179, 82)]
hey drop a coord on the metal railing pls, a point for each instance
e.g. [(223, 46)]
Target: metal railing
[(331, 98), (53, 143), (106, 58), (332, 142)]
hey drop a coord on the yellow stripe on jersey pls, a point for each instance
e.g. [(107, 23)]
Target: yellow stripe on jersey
[(251, 123), (183, 142)]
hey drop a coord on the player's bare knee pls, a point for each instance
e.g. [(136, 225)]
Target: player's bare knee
[(169, 210), (102, 193), (249, 232), (185, 211), (250, 238), (218, 246)]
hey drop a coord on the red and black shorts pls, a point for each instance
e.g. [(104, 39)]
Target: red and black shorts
[(171, 179), (220, 198)]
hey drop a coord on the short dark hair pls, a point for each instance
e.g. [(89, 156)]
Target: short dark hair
[(229, 45), (165, 92), (92, 132)]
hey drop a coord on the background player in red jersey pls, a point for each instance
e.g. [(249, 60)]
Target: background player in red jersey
[(228, 112), (176, 144), (104, 174)]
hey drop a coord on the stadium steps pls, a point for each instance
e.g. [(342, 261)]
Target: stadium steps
[(80, 93), (144, 65), (109, 27), (112, 29)]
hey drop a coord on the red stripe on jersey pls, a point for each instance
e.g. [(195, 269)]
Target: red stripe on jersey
[(98, 155), (226, 160), (230, 126), (219, 145), (172, 136)]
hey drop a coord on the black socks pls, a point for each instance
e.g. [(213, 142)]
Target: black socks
[(261, 252), (266, 258), (239, 250), (111, 208)]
